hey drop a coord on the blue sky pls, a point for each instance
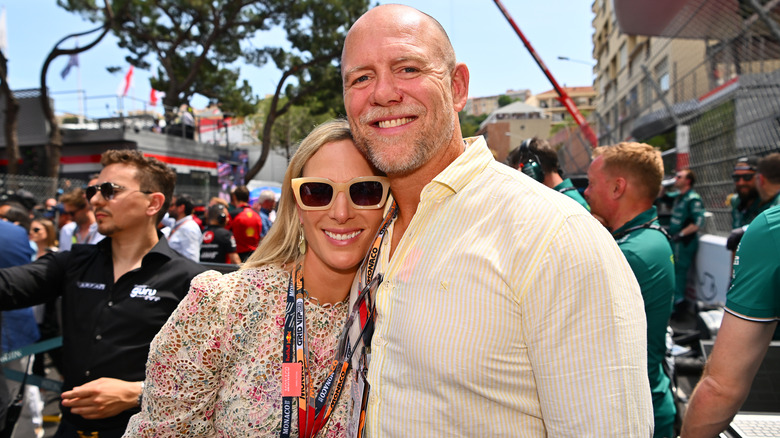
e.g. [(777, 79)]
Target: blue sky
[(482, 38)]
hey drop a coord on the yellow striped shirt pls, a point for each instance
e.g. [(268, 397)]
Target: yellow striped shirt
[(506, 310)]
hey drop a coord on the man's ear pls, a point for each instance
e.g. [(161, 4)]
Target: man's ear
[(156, 201), (460, 86), (619, 187)]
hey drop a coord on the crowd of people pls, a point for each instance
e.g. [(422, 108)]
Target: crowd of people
[(383, 296)]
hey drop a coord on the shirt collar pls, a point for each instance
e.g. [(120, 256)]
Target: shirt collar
[(475, 158), (160, 249), (642, 218)]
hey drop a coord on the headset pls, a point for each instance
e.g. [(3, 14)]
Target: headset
[(529, 162)]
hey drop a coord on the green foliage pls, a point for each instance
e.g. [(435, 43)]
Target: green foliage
[(198, 44), (504, 100), (469, 125), (194, 41)]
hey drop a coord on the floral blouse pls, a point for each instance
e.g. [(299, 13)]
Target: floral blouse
[(215, 367)]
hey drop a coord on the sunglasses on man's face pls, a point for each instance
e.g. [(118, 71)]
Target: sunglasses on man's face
[(363, 192), (108, 190), (744, 177)]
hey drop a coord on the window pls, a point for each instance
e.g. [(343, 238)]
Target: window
[(662, 74), (623, 55)]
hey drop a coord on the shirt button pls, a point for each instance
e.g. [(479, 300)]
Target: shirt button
[(86, 373), (98, 337)]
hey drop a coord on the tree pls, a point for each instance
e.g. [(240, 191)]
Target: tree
[(504, 100), (54, 146), (289, 128), (195, 43), (316, 30)]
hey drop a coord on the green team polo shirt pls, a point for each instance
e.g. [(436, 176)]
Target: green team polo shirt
[(573, 194), (755, 284), (688, 208), (650, 256)]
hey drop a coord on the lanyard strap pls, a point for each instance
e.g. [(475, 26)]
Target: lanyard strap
[(189, 218), (649, 224), (314, 407)]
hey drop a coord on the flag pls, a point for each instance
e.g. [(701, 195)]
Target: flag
[(73, 61), (154, 96), (126, 83), (3, 33)]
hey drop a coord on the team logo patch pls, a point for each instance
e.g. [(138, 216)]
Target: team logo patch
[(145, 292), (92, 286), (208, 237), (250, 232)]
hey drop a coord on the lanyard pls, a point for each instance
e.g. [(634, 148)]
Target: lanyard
[(296, 376), (315, 407), (189, 218), (367, 307), (649, 224), (90, 235)]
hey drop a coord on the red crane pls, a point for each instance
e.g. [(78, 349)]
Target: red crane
[(563, 97)]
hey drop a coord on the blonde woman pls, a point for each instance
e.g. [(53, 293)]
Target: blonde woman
[(217, 366)]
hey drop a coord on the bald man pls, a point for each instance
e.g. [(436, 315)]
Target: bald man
[(506, 309)]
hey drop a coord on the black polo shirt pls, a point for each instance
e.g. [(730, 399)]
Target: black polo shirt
[(107, 326), (217, 242)]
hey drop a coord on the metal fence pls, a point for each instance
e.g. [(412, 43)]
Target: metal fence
[(40, 187), (722, 90)]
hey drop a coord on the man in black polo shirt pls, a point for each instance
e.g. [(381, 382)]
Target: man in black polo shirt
[(115, 295), (218, 244)]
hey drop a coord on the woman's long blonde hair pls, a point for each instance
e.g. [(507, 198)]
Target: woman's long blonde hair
[(280, 245)]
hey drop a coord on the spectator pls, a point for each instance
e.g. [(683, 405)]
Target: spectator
[(84, 228), (624, 180), (749, 321), (185, 235), (18, 330), (231, 384), (537, 159), (116, 294), (43, 234), (506, 309), (267, 202), (218, 245), (246, 225)]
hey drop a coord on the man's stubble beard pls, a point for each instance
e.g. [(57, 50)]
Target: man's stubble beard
[(380, 150)]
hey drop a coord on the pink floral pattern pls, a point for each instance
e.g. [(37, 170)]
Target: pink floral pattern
[(215, 367)]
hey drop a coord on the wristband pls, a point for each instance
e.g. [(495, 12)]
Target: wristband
[(141, 395)]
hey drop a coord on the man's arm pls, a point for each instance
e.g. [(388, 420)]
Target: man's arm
[(739, 349), (234, 259), (102, 398), (33, 283)]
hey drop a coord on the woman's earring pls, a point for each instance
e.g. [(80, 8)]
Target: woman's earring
[(301, 242)]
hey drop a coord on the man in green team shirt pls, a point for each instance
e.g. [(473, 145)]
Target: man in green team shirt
[(623, 181), (537, 159), (749, 322), (768, 181), (687, 217)]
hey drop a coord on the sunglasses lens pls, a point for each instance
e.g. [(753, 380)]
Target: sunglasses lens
[(316, 194), (366, 193), (107, 190), (90, 191), (36, 229)]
